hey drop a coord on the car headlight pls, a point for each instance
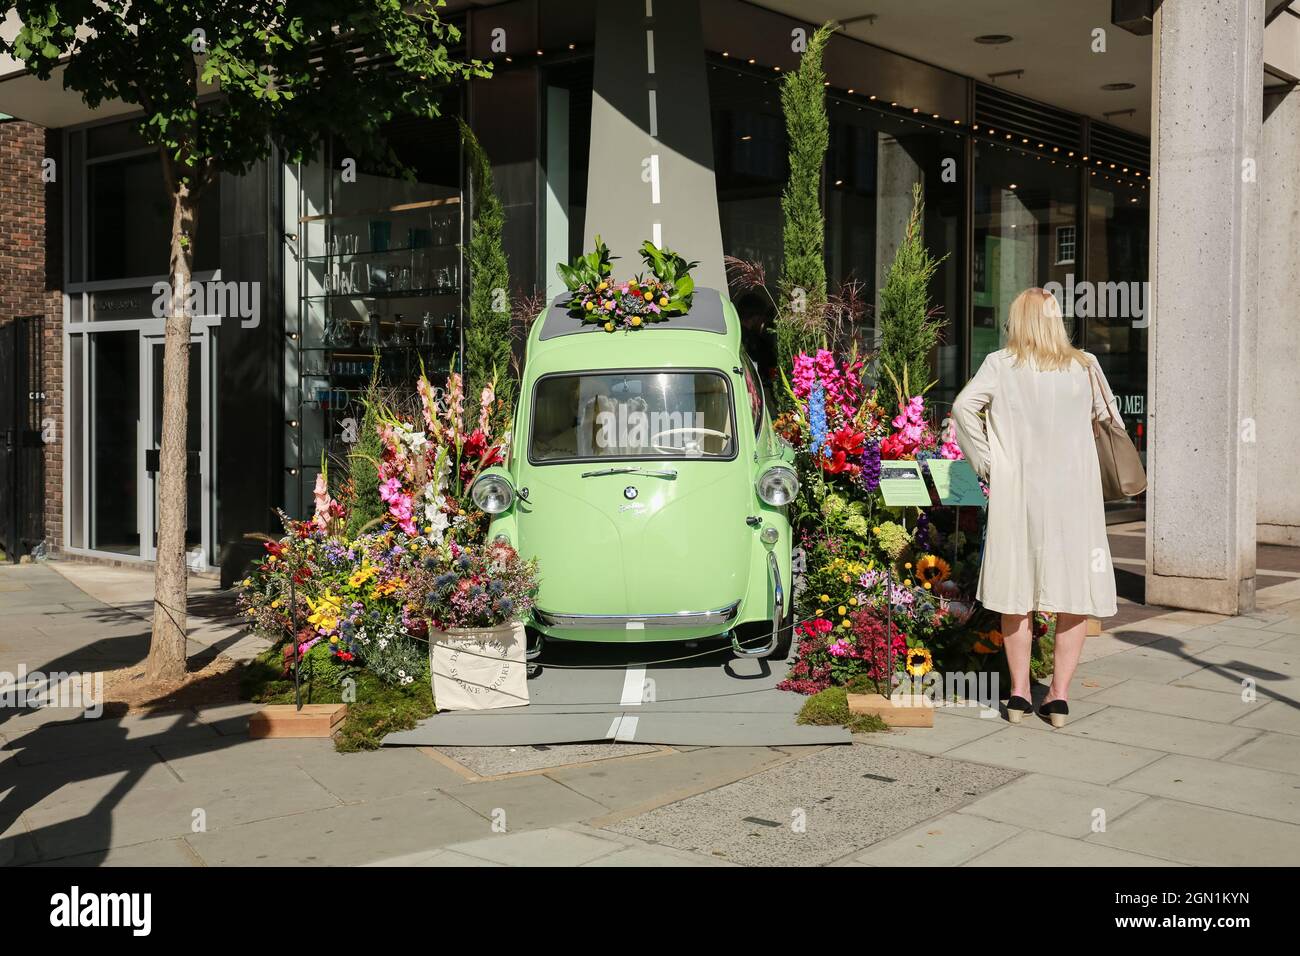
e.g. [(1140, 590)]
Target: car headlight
[(492, 494), (778, 486)]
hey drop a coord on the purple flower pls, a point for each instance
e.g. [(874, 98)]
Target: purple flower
[(870, 474)]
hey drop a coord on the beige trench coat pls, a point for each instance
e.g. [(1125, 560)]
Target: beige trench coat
[(1046, 546)]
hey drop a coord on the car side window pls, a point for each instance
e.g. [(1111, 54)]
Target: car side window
[(755, 392)]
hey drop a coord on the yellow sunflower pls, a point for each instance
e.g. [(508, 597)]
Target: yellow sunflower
[(933, 568), (919, 661)]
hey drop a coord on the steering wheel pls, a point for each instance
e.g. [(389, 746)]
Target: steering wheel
[(689, 447)]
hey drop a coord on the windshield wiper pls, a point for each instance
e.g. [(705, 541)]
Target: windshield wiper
[(656, 473)]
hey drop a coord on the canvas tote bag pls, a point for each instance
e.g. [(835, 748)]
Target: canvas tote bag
[(1122, 475), (479, 669)]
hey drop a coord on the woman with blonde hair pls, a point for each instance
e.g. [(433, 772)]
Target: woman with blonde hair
[(1046, 548)]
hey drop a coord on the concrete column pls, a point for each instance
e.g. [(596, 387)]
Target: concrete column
[(1207, 79), (1278, 398), (650, 173)]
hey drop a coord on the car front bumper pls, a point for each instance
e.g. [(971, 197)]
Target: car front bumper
[(678, 626)]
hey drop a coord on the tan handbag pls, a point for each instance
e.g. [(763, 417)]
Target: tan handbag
[(1122, 474)]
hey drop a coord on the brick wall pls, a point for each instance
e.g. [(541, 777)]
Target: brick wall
[(31, 275)]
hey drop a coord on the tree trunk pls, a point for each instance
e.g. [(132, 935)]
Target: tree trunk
[(167, 646)]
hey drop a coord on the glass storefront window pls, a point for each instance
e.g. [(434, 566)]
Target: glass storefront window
[(129, 220), (114, 441), (1026, 228), (872, 165), (1115, 328)]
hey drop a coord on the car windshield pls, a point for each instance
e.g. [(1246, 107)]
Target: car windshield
[(634, 415)]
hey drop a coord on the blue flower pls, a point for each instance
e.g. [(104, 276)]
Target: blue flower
[(817, 418)]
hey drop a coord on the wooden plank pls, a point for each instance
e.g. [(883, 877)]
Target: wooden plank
[(912, 711), (286, 720)]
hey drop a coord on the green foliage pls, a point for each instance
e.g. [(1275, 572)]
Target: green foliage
[(909, 329), (363, 502), (590, 269), (488, 338), (802, 288), (285, 71), (321, 667), (830, 708), (674, 272), (379, 708)]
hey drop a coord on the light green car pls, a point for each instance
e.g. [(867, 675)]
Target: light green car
[(645, 478)]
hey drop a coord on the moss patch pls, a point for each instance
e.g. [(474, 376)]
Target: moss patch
[(379, 708), (830, 708)]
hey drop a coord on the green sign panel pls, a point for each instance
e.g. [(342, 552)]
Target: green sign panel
[(901, 483), (956, 482)]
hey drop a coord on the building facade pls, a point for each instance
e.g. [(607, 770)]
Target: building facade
[(1039, 144)]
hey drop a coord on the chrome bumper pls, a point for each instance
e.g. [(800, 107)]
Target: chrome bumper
[(720, 618), (778, 612)]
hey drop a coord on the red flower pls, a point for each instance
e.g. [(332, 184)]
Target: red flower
[(274, 547), (845, 451), (893, 448)]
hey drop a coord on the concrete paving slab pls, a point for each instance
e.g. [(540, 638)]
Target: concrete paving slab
[(77, 738), (1288, 625), (342, 836), (1219, 634), (1176, 701), (1284, 644), (503, 729), (1155, 662), (947, 733), (812, 810), (492, 761), (639, 785), (1032, 848), (737, 730), (525, 803), (376, 775), (1202, 836), (1255, 661), (1178, 735), (434, 858), (170, 853), (949, 840), (1280, 716), (1211, 783), (652, 857), (1270, 752), (1054, 804), (1057, 755), (552, 846)]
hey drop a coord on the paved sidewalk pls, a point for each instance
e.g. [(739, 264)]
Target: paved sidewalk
[(1163, 763)]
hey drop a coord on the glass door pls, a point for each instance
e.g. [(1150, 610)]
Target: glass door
[(198, 482)]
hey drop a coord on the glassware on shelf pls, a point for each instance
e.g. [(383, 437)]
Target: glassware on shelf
[(338, 333), (370, 337), (429, 333), (381, 233)]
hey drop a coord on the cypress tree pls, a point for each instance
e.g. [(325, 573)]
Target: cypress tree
[(909, 328), (487, 339), (802, 289)]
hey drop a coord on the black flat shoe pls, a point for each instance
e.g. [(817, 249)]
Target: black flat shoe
[(1054, 711), (1017, 707)]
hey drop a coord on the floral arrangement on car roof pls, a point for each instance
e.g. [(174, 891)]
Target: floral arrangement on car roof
[(596, 298)]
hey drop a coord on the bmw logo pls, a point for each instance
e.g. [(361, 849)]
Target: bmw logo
[(629, 492)]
